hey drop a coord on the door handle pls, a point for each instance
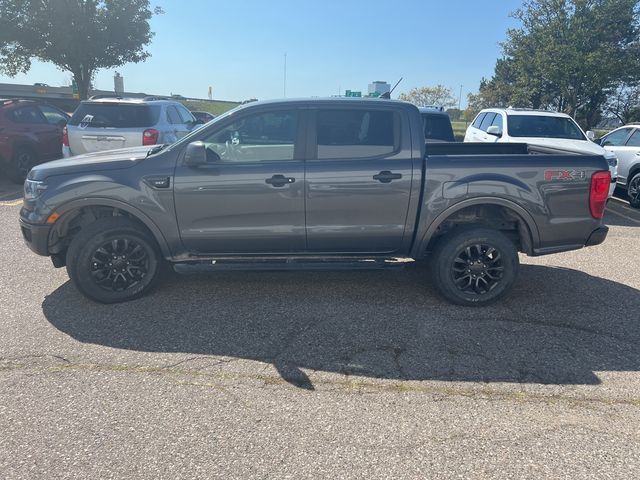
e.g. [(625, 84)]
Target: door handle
[(386, 176), (279, 180)]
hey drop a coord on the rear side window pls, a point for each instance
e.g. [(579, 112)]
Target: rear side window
[(172, 116), (634, 141), (478, 121), (437, 127), (116, 115), (488, 119), (185, 114), (355, 133), (27, 115)]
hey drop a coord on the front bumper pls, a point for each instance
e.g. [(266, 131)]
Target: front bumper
[(597, 236), (36, 237)]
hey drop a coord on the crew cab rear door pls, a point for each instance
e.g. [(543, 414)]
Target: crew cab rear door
[(358, 179)]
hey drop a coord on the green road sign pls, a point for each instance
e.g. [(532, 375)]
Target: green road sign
[(350, 93)]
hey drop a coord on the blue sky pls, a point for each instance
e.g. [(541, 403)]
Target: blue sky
[(238, 47)]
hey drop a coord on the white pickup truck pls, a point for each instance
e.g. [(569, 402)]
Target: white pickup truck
[(541, 128)]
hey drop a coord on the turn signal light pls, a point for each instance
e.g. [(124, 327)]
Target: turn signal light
[(52, 218), (599, 193), (65, 136)]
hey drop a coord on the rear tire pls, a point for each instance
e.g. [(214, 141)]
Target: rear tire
[(23, 160), (113, 260), (474, 266), (633, 191)]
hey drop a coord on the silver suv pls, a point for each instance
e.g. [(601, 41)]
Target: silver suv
[(111, 123)]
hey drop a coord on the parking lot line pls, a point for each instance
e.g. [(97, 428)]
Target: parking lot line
[(10, 203)]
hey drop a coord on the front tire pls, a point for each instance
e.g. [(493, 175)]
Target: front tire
[(113, 260), (474, 266), (633, 191)]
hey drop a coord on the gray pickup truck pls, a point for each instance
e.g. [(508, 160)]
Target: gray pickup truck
[(320, 183)]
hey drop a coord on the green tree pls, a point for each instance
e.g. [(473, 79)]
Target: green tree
[(624, 103), (78, 36), (567, 55), (439, 95)]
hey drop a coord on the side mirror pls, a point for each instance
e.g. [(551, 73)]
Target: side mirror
[(196, 154), (590, 135), (494, 130)]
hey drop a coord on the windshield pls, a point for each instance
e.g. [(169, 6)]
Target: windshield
[(543, 126), (116, 115)]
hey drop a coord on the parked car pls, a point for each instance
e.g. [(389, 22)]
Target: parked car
[(203, 117), (30, 133), (112, 123), (546, 129), (320, 183), (625, 143), (437, 125)]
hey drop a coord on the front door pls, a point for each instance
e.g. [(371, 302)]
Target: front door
[(249, 199), (358, 181)]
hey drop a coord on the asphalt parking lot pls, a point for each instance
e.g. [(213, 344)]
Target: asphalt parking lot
[(323, 374)]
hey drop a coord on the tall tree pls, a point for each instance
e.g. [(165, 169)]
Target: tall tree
[(624, 103), (568, 55), (78, 36), (439, 95)]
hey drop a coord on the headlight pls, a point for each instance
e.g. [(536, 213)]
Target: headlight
[(33, 189), (612, 160)]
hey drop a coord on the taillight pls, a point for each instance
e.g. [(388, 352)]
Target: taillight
[(600, 183), (65, 137), (150, 136)]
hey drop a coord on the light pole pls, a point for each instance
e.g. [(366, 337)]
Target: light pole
[(285, 76)]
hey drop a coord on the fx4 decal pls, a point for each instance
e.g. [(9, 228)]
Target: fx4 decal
[(551, 175)]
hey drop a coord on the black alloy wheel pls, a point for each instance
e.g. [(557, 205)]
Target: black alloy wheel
[(477, 269), (119, 264), (474, 266)]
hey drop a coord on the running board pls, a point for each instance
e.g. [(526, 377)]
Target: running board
[(290, 264)]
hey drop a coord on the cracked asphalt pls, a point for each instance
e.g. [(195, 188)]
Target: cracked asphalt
[(323, 374)]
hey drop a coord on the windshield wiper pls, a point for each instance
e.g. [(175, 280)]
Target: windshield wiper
[(156, 149)]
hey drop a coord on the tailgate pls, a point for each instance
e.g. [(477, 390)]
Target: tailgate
[(89, 139)]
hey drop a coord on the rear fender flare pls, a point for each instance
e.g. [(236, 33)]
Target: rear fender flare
[(422, 244)]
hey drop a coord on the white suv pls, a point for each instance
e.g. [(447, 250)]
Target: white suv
[(547, 129), (110, 123), (625, 143)]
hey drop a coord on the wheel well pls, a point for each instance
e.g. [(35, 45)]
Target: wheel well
[(632, 173), (72, 222), (496, 217)]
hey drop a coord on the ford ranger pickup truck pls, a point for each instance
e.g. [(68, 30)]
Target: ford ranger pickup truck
[(316, 183)]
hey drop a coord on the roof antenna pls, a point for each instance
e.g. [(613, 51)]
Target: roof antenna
[(387, 95)]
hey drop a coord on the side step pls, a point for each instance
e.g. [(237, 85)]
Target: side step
[(290, 264)]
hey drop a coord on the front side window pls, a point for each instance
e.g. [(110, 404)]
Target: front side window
[(261, 137), (356, 133), (497, 121), (544, 126), (616, 139), (478, 121), (27, 115), (486, 123)]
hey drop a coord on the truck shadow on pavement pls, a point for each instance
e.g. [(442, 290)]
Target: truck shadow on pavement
[(558, 326)]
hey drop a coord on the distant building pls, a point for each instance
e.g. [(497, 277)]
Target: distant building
[(377, 88), (118, 84)]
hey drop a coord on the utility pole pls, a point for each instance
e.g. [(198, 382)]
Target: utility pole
[(460, 99), (285, 76)]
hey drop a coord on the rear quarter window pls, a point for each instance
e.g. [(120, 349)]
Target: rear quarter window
[(116, 115)]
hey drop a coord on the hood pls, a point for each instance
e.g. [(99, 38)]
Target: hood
[(578, 146), (96, 161)]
